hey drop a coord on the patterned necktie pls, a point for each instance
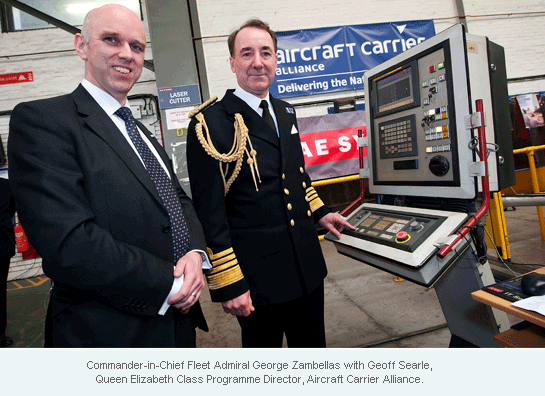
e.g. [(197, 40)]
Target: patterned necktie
[(267, 116), (165, 187)]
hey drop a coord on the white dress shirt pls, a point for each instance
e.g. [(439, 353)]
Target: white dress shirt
[(254, 102)]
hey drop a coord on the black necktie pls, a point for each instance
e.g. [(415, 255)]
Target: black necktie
[(267, 116), (165, 187)]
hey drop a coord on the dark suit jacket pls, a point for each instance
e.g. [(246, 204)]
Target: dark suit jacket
[(7, 210), (271, 232), (92, 212)]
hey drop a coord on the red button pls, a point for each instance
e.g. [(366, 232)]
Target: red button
[(401, 236)]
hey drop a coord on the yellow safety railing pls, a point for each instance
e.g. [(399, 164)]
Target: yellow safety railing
[(496, 222), (335, 180), (530, 152)]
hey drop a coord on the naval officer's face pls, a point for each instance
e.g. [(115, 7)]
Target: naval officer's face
[(254, 61)]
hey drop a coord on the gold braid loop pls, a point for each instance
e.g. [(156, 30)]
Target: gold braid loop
[(236, 153)]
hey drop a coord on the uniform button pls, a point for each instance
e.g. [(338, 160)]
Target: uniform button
[(306, 199), (309, 213), (286, 191), (301, 170), (166, 229), (304, 185), (283, 176), (289, 206), (292, 222)]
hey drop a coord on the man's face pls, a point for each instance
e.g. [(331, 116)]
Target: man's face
[(254, 61), (114, 55)]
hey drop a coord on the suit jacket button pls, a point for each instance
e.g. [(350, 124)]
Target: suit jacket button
[(166, 229), (292, 222)]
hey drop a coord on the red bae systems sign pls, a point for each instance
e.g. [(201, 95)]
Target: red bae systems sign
[(329, 144), (16, 78)]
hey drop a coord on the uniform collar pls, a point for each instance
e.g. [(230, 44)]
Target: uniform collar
[(251, 100)]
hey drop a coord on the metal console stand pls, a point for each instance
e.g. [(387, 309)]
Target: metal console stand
[(467, 319)]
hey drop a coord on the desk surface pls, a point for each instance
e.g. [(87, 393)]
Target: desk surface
[(506, 306)]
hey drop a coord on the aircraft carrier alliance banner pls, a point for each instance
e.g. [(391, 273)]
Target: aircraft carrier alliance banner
[(334, 59)]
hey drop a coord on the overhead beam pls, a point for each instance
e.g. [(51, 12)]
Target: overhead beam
[(55, 22)]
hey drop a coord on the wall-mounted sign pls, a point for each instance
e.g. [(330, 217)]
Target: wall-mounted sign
[(16, 78), (329, 144), (178, 118), (187, 95), (326, 60)]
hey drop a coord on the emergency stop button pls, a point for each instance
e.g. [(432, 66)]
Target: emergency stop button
[(402, 236)]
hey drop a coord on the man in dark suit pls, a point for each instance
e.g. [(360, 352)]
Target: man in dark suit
[(90, 189), (7, 251), (259, 215)]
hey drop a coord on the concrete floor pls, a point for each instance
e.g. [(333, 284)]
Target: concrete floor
[(364, 306)]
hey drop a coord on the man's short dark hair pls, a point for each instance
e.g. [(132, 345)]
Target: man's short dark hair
[(256, 23)]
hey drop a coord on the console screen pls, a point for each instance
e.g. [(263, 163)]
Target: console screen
[(395, 90)]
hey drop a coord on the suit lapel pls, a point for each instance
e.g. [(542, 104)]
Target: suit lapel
[(285, 125), (256, 125), (101, 124)]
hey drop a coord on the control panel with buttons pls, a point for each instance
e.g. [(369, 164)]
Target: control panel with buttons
[(414, 122), (404, 231), (401, 240), (419, 146), (417, 104)]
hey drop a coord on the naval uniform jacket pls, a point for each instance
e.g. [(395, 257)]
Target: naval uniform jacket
[(92, 212), (264, 241)]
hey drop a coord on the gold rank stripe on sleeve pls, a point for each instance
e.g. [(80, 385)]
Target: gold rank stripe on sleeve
[(225, 269), (222, 267), (225, 259), (225, 278), (313, 199), (220, 255)]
